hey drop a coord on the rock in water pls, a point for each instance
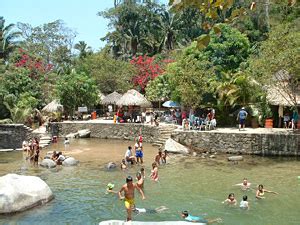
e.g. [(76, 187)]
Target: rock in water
[(111, 166), (235, 158), (48, 163), (70, 162), (18, 193), (175, 147), (84, 133)]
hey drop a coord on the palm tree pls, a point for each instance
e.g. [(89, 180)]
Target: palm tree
[(83, 49), (7, 39)]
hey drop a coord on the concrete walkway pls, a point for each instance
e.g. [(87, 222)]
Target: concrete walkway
[(218, 130)]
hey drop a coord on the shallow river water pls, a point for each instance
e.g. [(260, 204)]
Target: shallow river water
[(185, 183)]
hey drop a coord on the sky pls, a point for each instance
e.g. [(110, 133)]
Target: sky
[(79, 15)]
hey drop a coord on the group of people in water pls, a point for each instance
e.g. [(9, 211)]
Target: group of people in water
[(245, 185), (126, 192), (31, 151), (132, 157)]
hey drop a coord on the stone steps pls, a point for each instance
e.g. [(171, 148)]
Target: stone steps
[(165, 134)]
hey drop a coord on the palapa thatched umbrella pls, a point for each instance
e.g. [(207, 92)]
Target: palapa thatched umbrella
[(279, 96), (133, 98), (111, 98), (53, 106)]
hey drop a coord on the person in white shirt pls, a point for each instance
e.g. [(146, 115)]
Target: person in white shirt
[(129, 156), (244, 204)]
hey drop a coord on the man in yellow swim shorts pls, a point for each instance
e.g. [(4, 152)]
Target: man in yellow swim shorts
[(128, 197)]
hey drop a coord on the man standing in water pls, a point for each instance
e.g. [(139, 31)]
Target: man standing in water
[(128, 197)]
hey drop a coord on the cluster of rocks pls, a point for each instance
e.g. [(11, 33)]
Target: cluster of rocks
[(47, 162)]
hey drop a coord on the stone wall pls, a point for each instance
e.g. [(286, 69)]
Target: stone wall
[(279, 144), (12, 135), (128, 131)]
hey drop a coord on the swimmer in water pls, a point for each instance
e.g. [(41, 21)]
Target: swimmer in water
[(200, 219), (244, 204), (109, 189), (245, 185), (123, 165), (230, 200), (261, 191)]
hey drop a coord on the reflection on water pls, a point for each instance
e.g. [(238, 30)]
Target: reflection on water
[(186, 183)]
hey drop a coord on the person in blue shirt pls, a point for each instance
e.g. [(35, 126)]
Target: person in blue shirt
[(198, 219), (242, 115)]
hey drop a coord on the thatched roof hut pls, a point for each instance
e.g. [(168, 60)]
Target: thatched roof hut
[(111, 98), (278, 96), (134, 98), (53, 106)]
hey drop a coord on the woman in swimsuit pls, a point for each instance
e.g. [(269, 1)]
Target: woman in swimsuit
[(261, 191), (230, 200)]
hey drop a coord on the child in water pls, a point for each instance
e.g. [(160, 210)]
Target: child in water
[(154, 172), (230, 200), (109, 189), (123, 165), (244, 204), (200, 219)]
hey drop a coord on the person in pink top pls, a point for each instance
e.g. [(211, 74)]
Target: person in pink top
[(154, 172)]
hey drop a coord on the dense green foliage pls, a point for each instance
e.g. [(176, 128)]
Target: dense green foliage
[(219, 54), (75, 90), (110, 74)]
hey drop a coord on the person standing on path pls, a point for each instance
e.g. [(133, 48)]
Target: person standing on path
[(241, 117)]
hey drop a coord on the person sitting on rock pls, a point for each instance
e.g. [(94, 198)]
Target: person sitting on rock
[(129, 156), (60, 158), (54, 156)]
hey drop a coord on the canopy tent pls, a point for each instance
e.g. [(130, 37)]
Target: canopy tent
[(53, 106), (171, 104), (133, 98), (111, 98)]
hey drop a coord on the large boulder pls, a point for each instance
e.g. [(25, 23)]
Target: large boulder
[(48, 163), (86, 133), (70, 161), (175, 147), (18, 193)]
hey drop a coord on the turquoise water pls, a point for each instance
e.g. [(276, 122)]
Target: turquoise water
[(186, 183)]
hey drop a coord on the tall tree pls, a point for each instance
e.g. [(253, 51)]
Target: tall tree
[(8, 39), (110, 74), (51, 41), (83, 49), (76, 89)]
